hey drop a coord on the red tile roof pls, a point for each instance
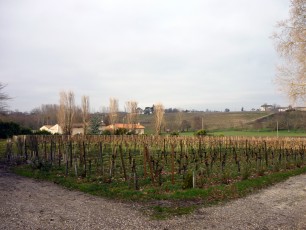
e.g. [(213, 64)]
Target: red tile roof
[(125, 126)]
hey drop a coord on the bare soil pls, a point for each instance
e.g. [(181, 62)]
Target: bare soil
[(30, 204)]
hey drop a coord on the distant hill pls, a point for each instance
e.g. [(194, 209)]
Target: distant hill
[(210, 120), (289, 120), (192, 121)]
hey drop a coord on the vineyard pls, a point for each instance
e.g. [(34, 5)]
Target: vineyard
[(158, 161)]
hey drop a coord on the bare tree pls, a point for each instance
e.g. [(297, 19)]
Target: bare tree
[(132, 115), (105, 115), (179, 119), (85, 113), (61, 116), (70, 111), (197, 122), (3, 98), (46, 114), (78, 117), (185, 125), (113, 110), (66, 111), (158, 117), (290, 44), (49, 112)]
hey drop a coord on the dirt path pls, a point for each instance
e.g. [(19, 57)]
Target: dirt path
[(31, 204)]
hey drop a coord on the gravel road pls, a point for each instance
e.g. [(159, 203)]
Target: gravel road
[(30, 204)]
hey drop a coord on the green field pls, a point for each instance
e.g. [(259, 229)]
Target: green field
[(207, 120), (282, 133), (243, 121), (260, 133)]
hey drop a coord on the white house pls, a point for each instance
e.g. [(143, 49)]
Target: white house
[(52, 129), (266, 107), (300, 108), (77, 128)]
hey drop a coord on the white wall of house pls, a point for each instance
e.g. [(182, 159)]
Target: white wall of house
[(78, 131), (52, 129)]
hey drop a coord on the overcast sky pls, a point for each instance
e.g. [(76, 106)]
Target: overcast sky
[(196, 54)]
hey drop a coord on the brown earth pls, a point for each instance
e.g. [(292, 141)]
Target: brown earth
[(30, 204)]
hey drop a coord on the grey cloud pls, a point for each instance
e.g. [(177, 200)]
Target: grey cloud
[(199, 53)]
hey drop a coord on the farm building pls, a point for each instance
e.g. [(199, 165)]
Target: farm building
[(265, 108), (45, 127), (300, 108), (139, 129), (52, 129), (77, 128), (56, 129)]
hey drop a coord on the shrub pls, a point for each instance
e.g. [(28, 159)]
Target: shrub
[(107, 132), (188, 183), (41, 165), (246, 173), (26, 131), (174, 134), (8, 129), (201, 132), (121, 131), (132, 132), (42, 132)]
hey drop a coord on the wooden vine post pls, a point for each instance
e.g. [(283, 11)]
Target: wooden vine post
[(145, 162), (84, 157), (70, 151), (122, 162), (172, 163), (150, 163)]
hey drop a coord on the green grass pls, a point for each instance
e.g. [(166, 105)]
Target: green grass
[(259, 133), (2, 146), (2, 149), (232, 120), (161, 202), (281, 133)]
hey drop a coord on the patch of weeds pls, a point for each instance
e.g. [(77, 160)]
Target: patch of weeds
[(246, 173), (261, 171), (277, 167), (44, 166), (226, 177), (299, 163), (188, 181), (290, 165)]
